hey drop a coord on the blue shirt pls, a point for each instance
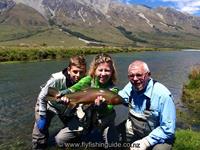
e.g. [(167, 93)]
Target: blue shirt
[(162, 108)]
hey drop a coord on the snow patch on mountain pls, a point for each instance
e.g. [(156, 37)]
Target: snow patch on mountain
[(147, 20)]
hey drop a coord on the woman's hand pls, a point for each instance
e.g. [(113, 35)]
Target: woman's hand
[(100, 103), (99, 100)]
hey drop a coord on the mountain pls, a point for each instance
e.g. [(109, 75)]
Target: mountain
[(95, 22)]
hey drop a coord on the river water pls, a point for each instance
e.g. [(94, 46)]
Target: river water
[(19, 87)]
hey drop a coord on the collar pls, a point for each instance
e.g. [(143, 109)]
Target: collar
[(149, 88), (69, 82)]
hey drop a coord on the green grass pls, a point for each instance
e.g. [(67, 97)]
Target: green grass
[(171, 40), (107, 34), (191, 98), (191, 91), (112, 36), (27, 53), (131, 36), (36, 38), (187, 140), (12, 33)]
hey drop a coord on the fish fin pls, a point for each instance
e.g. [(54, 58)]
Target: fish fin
[(72, 103), (52, 92)]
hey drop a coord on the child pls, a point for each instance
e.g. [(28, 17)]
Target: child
[(44, 111)]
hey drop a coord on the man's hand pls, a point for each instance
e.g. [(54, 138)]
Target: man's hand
[(142, 144), (42, 123)]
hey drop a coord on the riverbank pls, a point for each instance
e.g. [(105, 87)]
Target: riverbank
[(11, 54), (188, 139), (191, 98)]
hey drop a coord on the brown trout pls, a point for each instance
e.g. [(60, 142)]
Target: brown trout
[(86, 96)]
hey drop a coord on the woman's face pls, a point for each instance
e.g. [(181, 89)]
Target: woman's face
[(103, 72)]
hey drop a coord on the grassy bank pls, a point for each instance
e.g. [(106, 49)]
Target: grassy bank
[(42, 53), (191, 98), (187, 140)]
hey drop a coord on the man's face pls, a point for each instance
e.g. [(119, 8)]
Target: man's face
[(138, 77), (76, 73)]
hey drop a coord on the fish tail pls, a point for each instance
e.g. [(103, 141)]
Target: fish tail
[(52, 99), (52, 92)]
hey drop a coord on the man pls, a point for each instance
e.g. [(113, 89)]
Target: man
[(152, 114), (44, 111)]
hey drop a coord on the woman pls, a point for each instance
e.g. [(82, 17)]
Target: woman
[(102, 74)]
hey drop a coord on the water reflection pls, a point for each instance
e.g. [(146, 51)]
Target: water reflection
[(19, 86)]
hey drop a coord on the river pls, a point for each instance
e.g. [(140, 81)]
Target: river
[(19, 87)]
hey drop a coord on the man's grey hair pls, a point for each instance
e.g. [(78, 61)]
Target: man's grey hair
[(141, 63), (146, 68)]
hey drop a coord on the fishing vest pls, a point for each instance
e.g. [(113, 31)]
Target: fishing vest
[(141, 124)]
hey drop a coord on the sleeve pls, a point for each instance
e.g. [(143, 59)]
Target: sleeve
[(167, 118), (41, 97), (83, 83), (63, 92)]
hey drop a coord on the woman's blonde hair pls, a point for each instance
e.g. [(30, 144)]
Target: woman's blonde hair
[(99, 59)]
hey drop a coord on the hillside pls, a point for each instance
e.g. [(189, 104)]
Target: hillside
[(95, 22)]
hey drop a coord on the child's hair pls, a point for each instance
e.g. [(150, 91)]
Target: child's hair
[(78, 61), (102, 58)]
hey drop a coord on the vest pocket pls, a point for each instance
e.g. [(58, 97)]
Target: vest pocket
[(140, 125)]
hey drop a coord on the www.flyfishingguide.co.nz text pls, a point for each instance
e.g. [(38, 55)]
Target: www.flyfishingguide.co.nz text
[(103, 145)]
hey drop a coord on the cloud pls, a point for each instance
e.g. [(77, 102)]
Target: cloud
[(125, 1), (189, 6)]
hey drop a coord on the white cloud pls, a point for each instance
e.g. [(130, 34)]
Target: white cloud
[(189, 6), (125, 1)]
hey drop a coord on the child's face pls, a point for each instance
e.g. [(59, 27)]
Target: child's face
[(103, 72), (76, 73)]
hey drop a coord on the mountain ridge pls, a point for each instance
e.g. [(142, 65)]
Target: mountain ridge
[(109, 22)]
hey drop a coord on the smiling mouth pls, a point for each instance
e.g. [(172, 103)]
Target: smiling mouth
[(137, 84), (102, 79), (76, 79)]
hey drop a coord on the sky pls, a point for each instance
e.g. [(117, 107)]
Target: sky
[(187, 6)]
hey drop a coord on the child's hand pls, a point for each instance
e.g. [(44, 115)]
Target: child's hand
[(65, 99)]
